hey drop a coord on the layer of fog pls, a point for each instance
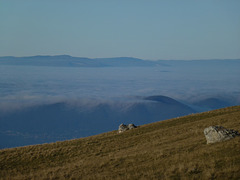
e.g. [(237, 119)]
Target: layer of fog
[(22, 86)]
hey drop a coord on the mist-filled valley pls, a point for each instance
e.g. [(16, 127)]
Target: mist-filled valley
[(51, 98)]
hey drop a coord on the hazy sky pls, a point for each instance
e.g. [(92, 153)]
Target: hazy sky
[(148, 29)]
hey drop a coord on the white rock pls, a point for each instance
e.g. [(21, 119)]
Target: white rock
[(215, 134), (123, 127)]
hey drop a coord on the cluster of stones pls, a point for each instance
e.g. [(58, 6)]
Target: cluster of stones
[(215, 134), (123, 127)]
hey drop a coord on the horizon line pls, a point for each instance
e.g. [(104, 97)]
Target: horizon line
[(66, 55)]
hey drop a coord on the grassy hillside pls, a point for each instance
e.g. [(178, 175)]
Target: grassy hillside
[(171, 149)]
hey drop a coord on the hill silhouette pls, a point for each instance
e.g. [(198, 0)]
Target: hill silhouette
[(70, 61)]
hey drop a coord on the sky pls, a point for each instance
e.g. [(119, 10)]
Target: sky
[(147, 29)]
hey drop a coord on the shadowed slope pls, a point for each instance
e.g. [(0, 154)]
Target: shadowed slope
[(212, 103)]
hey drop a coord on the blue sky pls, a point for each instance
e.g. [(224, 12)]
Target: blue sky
[(161, 29)]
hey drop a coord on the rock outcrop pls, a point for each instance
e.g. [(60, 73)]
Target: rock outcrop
[(215, 134), (123, 127)]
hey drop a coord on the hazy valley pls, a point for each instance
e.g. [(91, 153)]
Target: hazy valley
[(51, 98)]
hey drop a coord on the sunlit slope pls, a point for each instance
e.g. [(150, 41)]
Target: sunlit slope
[(164, 150)]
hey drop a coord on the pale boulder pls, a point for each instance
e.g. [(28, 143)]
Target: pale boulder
[(123, 127), (215, 134)]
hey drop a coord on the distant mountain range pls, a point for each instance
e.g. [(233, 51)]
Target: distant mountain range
[(69, 61)]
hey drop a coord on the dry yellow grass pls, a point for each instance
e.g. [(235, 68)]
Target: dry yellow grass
[(171, 149)]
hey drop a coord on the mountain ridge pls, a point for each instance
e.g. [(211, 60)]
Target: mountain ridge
[(71, 61)]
